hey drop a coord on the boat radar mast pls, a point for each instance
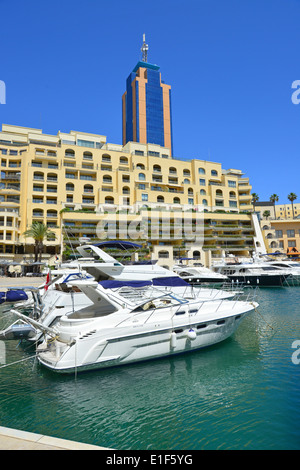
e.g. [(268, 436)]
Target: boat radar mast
[(144, 49)]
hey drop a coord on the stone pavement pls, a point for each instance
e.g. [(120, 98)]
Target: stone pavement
[(12, 439)]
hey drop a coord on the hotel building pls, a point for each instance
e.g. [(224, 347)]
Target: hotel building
[(75, 181), (70, 182)]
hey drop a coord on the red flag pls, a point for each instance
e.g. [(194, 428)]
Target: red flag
[(48, 280)]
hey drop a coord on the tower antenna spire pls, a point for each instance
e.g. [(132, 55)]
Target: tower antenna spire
[(144, 49)]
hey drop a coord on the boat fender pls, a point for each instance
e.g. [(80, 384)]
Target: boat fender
[(191, 334), (173, 339)]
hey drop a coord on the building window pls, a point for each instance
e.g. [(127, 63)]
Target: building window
[(202, 192), (214, 173), (142, 177), (70, 153), (232, 184), (290, 233), (142, 186), (163, 254), (190, 200), (144, 197), (278, 233), (292, 243), (87, 155), (232, 204), (201, 171), (204, 202), (202, 182)]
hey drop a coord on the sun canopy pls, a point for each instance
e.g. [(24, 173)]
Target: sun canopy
[(172, 281), (114, 284)]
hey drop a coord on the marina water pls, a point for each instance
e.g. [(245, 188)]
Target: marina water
[(243, 393)]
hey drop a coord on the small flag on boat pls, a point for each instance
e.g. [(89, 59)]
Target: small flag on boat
[(48, 279)]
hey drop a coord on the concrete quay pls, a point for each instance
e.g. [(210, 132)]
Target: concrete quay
[(19, 282), (13, 439)]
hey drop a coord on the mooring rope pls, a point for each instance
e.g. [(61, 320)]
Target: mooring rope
[(16, 362), (256, 311)]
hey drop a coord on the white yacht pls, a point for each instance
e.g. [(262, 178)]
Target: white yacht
[(126, 324), (198, 275), (58, 297), (252, 273), (284, 265)]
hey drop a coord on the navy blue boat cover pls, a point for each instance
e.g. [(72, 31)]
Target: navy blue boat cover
[(172, 281), (113, 284), (13, 296)]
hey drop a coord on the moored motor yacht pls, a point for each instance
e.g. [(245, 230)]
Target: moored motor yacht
[(198, 275), (129, 323), (252, 273)]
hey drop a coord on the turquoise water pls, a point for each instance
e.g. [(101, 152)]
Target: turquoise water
[(241, 394)]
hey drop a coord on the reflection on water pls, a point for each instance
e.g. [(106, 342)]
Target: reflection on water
[(240, 394)]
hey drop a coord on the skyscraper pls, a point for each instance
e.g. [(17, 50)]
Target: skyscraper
[(146, 105)]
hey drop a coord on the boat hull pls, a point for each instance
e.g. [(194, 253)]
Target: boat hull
[(259, 281), (99, 352)]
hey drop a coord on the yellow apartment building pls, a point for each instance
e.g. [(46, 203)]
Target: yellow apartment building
[(74, 181)]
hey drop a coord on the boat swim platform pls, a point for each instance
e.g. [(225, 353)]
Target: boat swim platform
[(13, 439)]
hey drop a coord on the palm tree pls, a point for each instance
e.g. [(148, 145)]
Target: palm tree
[(292, 197), (274, 198), (39, 231), (255, 199), (266, 214)]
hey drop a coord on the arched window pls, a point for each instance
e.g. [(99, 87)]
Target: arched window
[(140, 166), (109, 200), (196, 254), (176, 200), (88, 188), (214, 173), (126, 190), (160, 199), (52, 213), (232, 194), (106, 157), (163, 254), (186, 172), (157, 168), (204, 202), (52, 177), (37, 213), (186, 181), (202, 192), (219, 192), (190, 191), (107, 179), (69, 153), (38, 176), (201, 171), (142, 177), (172, 171), (123, 160), (69, 187), (87, 155)]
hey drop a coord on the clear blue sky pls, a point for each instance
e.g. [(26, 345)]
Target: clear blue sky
[(231, 64)]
